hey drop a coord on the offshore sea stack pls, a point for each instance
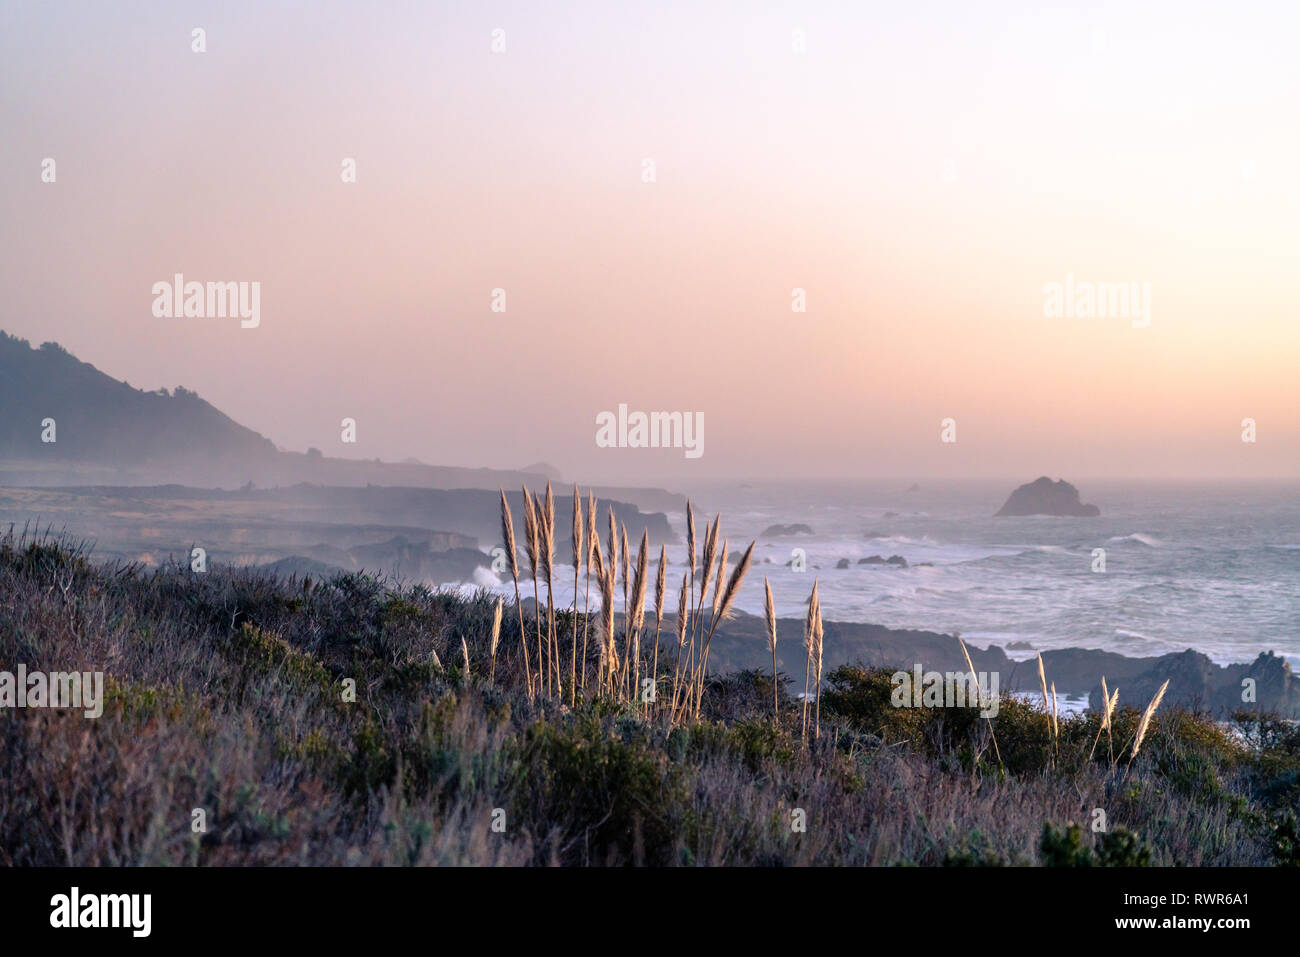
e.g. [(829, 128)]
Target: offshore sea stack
[(1045, 497)]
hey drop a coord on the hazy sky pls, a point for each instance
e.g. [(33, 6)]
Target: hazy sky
[(923, 170)]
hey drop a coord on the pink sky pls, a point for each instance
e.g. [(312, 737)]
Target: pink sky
[(922, 174)]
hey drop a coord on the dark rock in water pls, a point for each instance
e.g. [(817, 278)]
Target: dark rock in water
[(873, 535), (1195, 681), (780, 531), (896, 560), (1045, 497), (1020, 646), (842, 563), (890, 515)]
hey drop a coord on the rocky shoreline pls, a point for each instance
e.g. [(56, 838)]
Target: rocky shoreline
[(1195, 681)]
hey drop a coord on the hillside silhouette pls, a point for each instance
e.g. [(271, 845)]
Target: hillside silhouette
[(107, 432), (101, 420)]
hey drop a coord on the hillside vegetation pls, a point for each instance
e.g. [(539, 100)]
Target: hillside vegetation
[(227, 692)]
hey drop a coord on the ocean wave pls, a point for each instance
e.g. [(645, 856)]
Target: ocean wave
[(1002, 638), (927, 549), (1149, 540), (483, 578), (1065, 704), (1133, 637)]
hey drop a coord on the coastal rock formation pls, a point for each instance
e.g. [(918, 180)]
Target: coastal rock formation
[(1045, 497), (1197, 682), (896, 560), (782, 531)]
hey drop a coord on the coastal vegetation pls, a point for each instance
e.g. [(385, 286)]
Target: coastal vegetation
[(357, 720)]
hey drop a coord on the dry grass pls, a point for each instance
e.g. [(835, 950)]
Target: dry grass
[(1042, 683), (1145, 723), (226, 693), (769, 612), (512, 560), (495, 640), (1110, 701), (975, 677), (531, 545)]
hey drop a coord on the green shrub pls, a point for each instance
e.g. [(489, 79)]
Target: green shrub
[(1284, 839), (861, 697), (1070, 847), (609, 799)]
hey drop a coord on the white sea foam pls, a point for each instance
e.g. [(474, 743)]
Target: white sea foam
[(1142, 539), (483, 578), (1183, 569)]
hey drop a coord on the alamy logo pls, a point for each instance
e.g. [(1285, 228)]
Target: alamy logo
[(133, 911), (952, 689), (211, 300), (651, 430), (1098, 300), (58, 689)]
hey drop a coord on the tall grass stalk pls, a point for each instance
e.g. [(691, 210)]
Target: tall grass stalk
[(578, 541), (809, 630), (548, 563), (660, 582), (1105, 717), (512, 559), (769, 610), (492, 643), (683, 614), (636, 618), (722, 609), (975, 678), (819, 634), (625, 563), (1145, 724), (611, 571)]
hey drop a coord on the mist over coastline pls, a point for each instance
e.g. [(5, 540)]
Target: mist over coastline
[(672, 435)]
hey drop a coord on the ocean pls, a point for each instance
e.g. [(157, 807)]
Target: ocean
[(1213, 567)]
